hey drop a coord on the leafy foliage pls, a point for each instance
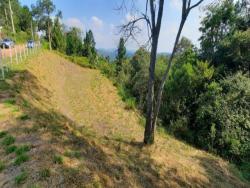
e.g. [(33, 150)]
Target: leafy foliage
[(120, 58), (223, 112), (73, 42)]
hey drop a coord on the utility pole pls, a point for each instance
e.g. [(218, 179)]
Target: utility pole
[(11, 16)]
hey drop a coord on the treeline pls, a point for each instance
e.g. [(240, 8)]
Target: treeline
[(21, 16), (206, 100)]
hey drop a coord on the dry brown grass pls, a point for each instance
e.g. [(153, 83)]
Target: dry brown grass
[(76, 114)]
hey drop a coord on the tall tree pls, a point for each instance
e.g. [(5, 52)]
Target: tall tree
[(89, 47), (74, 42), (25, 19), (58, 38), (121, 55), (219, 22), (153, 21), (42, 12)]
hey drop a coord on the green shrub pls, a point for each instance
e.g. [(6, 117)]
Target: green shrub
[(8, 140), (223, 118), (20, 179), (21, 159)]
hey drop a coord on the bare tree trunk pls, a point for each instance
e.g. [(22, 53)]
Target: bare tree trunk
[(150, 126), (165, 76), (149, 132), (49, 33), (153, 110)]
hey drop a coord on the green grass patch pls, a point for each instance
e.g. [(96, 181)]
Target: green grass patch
[(3, 134), (45, 173), (21, 159), (10, 102), (130, 103), (73, 154), (22, 149), (20, 179), (2, 166), (10, 149), (57, 159), (8, 140)]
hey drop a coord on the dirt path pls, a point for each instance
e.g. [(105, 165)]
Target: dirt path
[(75, 113)]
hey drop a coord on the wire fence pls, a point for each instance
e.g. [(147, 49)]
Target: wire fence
[(9, 56)]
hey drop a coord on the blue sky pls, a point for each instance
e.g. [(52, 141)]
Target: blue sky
[(103, 19)]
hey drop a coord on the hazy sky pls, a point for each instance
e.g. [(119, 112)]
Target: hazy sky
[(102, 17)]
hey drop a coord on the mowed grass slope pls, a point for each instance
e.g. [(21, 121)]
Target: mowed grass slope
[(71, 129)]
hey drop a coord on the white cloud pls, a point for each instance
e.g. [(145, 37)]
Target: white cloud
[(74, 22), (96, 22)]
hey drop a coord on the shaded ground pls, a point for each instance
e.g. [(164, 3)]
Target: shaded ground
[(81, 135)]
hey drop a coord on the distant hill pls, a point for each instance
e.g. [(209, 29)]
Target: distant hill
[(113, 52)]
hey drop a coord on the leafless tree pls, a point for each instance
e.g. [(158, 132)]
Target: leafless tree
[(152, 16)]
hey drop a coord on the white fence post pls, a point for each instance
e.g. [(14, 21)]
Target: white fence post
[(20, 53), (1, 64), (11, 60), (16, 55)]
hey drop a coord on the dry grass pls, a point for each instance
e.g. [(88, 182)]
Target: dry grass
[(75, 113)]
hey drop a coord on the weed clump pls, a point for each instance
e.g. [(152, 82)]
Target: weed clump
[(45, 173), (21, 159), (57, 159), (20, 179), (8, 140), (2, 166), (10, 149), (22, 149), (3, 134)]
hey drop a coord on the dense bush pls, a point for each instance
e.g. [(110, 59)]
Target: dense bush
[(223, 117)]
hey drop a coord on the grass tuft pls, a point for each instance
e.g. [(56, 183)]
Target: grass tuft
[(130, 103), (8, 140), (20, 179), (22, 149), (45, 173), (21, 159), (10, 102), (3, 134), (10, 149), (57, 159), (2, 166)]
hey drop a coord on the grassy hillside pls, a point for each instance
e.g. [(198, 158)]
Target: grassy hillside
[(62, 125)]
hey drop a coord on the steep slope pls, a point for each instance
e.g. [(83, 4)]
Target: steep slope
[(80, 135)]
